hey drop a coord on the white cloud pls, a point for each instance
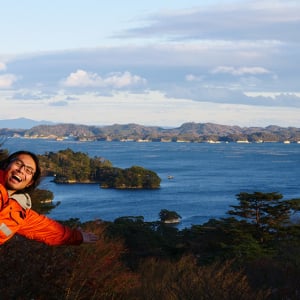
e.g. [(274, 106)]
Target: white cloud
[(191, 77), (242, 20), (81, 78), (153, 108), (120, 80), (59, 103), (2, 66), (206, 57), (7, 80), (30, 94), (240, 71), (85, 79)]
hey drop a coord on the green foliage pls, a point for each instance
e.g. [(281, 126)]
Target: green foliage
[(134, 177), (262, 227), (267, 211), (221, 259), (220, 240), (261, 208), (145, 239), (42, 201), (138, 235), (72, 167), (69, 166), (168, 215)]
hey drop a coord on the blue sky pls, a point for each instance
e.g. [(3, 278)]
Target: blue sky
[(162, 63)]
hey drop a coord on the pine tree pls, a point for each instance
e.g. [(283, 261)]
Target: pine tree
[(266, 211)]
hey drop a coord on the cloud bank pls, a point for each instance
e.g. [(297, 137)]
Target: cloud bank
[(243, 53)]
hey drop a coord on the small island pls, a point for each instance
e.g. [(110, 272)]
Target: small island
[(169, 216), (69, 167)]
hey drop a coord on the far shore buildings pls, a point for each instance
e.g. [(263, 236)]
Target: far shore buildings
[(146, 140)]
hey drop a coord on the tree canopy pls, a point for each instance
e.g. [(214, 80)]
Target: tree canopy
[(68, 166)]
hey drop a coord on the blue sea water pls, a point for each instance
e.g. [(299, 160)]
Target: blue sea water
[(206, 178)]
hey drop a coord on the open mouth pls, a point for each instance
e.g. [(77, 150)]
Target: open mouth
[(17, 178)]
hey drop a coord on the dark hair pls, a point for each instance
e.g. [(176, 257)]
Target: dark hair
[(37, 175)]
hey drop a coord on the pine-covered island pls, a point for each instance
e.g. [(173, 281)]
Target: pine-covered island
[(67, 166)]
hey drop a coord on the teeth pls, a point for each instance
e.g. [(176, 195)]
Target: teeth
[(17, 178)]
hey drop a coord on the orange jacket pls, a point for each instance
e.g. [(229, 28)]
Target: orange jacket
[(15, 219)]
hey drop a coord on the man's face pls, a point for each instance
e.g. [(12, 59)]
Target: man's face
[(20, 172)]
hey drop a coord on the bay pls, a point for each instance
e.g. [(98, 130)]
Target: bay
[(206, 177)]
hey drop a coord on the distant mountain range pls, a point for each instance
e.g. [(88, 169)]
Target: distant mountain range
[(187, 132), (22, 123)]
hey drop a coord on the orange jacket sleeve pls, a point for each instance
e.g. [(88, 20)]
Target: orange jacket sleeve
[(48, 231)]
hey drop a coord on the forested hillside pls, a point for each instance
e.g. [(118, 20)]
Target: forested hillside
[(192, 132), (67, 166), (252, 254)]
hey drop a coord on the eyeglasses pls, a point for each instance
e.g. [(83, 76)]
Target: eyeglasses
[(20, 164)]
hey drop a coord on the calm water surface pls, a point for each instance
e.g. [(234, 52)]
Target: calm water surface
[(207, 178)]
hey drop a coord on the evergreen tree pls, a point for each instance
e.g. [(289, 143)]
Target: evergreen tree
[(267, 211)]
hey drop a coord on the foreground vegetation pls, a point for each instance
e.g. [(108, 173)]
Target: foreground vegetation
[(252, 254)]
